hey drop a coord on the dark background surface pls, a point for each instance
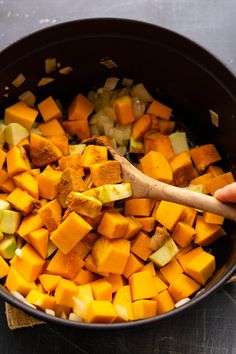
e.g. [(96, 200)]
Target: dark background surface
[(209, 328)]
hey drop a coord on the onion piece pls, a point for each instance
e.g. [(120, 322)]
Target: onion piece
[(160, 236), (74, 317), (138, 107), (50, 65), (45, 81), (214, 118), (66, 70), (111, 83), (28, 97), (18, 81), (141, 92), (50, 312), (127, 82), (122, 150)]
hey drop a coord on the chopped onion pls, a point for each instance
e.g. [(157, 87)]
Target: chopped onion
[(141, 92), (92, 96), (74, 317), (126, 130), (28, 97), (50, 312), (80, 307), (117, 134), (6, 88), (29, 304), (138, 107), (94, 130), (198, 188), (50, 65), (214, 118), (18, 253), (127, 82), (66, 70), (18, 296), (6, 95), (122, 312), (110, 112), (19, 80), (159, 238), (45, 81), (110, 83), (122, 150), (182, 302)]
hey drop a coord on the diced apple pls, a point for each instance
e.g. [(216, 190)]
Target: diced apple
[(4, 205), (110, 192), (135, 146), (179, 142), (164, 254), (15, 133), (9, 221), (8, 246), (77, 149)]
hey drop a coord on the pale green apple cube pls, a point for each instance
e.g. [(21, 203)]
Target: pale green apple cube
[(9, 221), (15, 133), (8, 246), (164, 254), (77, 149), (179, 142), (110, 192), (4, 205)]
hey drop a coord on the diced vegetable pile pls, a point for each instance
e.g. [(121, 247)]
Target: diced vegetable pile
[(74, 243)]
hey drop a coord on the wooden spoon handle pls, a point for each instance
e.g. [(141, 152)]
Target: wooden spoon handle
[(192, 199)]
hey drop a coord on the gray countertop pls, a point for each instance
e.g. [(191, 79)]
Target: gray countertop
[(209, 328)]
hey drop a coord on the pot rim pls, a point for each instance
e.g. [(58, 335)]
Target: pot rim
[(133, 324)]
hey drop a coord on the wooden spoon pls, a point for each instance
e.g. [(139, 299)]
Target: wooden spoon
[(147, 187)]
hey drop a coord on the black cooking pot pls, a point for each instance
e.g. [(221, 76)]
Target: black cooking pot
[(174, 69)]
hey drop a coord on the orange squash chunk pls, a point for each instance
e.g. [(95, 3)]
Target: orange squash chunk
[(28, 182), (182, 167), (141, 126), (101, 311), (148, 223), (49, 181), (182, 287), (160, 110), (42, 301), (52, 128), (4, 268), (165, 302), (163, 145), (108, 172), (211, 218), (144, 309), (51, 214), (122, 299), (160, 285), (115, 280), (171, 271), (124, 110), (93, 154), (155, 165), (207, 233), (168, 214), (140, 246), (20, 113), (132, 266), (3, 156), (203, 179), (70, 232), (186, 255), (138, 207), (21, 201), (102, 290), (64, 293), (39, 240), (142, 285), (133, 227), (30, 223), (183, 234), (204, 155), (80, 128), (49, 281), (113, 225), (49, 109), (201, 267), (166, 126), (219, 181), (43, 151), (16, 282), (17, 161), (80, 108)]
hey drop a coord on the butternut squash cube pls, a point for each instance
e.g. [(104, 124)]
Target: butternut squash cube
[(171, 271), (185, 257), (80, 128), (84, 276), (140, 246), (108, 172), (133, 228), (20, 113), (61, 142), (160, 110), (39, 240), (3, 156), (142, 285), (204, 155), (28, 182), (85, 293), (101, 312), (155, 165), (42, 301), (115, 280), (111, 255), (189, 216), (49, 184), (141, 126), (138, 207), (90, 265), (49, 109), (83, 204), (211, 218), (80, 108), (52, 128), (202, 180), (70, 232), (133, 265), (113, 225), (7, 186), (43, 151), (183, 234), (102, 290), (164, 301), (160, 285), (148, 223), (50, 214), (144, 309), (73, 162), (182, 287), (124, 110), (93, 154), (16, 282), (163, 145), (4, 268), (30, 264), (67, 266), (122, 299), (207, 233), (169, 214), (49, 281), (21, 201), (220, 181), (17, 161), (215, 170), (71, 181), (30, 223), (64, 293), (201, 267), (150, 267), (182, 167)]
